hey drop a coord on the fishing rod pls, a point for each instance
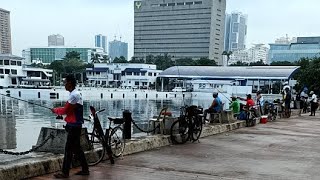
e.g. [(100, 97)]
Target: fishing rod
[(58, 117)]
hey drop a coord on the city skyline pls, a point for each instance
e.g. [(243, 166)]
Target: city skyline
[(80, 20)]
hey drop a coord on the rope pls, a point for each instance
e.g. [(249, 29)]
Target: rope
[(145, 131)]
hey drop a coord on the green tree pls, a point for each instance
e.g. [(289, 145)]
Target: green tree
[(95, 58), (206, 62), (105, 59), (239, 63), (136, 60), (258, 63), (121, 59), (282, 63), (309, 74), (72, 55), (185, 62)]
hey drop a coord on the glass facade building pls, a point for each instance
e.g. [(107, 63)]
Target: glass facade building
[(306, 47), (50, 54), (101, 41), (117, 49), (236, 31)]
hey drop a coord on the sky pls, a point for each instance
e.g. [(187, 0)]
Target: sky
[(79, 20)]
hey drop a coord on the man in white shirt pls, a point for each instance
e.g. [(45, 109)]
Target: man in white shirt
[(314, 103)]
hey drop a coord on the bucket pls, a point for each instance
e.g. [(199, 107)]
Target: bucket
[(264, 119)]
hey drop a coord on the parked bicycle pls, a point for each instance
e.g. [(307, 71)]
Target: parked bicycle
[(252, 116), (111, 142), (188, 126), (271, 111)]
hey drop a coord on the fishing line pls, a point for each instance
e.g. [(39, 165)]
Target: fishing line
[(58, 117)]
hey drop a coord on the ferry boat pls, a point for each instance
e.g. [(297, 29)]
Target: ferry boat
[(15, 73)]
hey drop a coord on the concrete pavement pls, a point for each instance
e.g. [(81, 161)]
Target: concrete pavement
[(285, 149)]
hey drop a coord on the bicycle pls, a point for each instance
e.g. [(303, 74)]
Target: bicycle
[(188, 126), (251, 116), (271, 110), (111, 142)]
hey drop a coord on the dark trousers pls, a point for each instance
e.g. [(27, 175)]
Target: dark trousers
[(208, 111), (314, 106), (73, 148)]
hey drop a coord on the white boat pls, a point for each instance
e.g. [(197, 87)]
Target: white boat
[(14, 73)]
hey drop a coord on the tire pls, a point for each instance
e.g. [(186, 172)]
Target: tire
[(117, 141), (179, 132), (197, 128), (97, 152)]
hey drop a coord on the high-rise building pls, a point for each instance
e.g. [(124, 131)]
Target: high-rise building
[(101, 41), (179, 28), (118, 49), (235, 31), (5, 32), (55, 40)]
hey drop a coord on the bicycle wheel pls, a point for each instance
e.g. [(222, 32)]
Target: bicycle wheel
[(197, 128), (179, 131), (117, 141), (97, 152)]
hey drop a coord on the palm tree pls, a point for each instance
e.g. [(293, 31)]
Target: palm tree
[(95, 58), (228, 54)]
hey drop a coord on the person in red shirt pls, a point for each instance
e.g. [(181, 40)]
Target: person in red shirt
[(73, 109), (249, 100)]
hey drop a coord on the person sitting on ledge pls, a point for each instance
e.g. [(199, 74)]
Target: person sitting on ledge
[(235, 106), (249, 100), (216, 105)]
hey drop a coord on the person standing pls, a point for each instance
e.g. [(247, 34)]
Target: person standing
[(73, 109), (287, 101), (314, 103), (260, 102)]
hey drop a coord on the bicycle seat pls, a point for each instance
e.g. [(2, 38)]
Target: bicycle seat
[(116, 120)]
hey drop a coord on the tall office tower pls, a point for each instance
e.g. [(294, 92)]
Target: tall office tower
[(179, 28), (5, 32), (235, 31), (55, 40), (101, 41), (117, 49)]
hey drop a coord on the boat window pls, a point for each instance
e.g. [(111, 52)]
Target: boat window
[(13, 71), (1, 62), (13, 63), (6, 62), (1, 77), (19, 63), (7, 71), (1, 71)]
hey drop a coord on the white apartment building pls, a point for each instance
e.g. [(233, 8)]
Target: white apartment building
[(258, 52), (124, 75)]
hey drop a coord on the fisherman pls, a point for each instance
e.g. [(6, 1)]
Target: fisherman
[(74, 111), (216, 105)]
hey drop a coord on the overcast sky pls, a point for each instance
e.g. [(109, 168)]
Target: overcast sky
[(79, 20)]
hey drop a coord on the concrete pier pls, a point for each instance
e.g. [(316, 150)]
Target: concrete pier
[(285, 149), (36, 164)]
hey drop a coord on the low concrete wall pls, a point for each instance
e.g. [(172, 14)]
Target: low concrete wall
[(44, 163)]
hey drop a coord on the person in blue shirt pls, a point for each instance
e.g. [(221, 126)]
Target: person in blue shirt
[(216, 105)]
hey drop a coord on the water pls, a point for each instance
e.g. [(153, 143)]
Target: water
[(21, 122)]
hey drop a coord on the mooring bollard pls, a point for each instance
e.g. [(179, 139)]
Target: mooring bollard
[(127, 124)]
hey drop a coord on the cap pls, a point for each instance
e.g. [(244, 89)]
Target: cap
[(311, 92)]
